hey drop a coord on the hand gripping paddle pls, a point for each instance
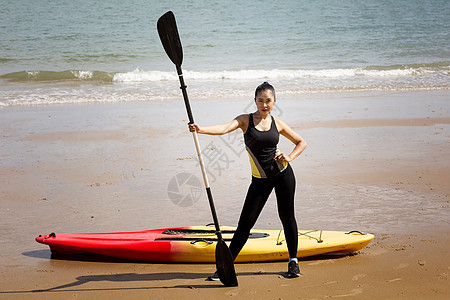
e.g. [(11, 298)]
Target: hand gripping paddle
[(168, 33)]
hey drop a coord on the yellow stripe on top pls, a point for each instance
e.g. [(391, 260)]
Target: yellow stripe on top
[(257, 170)]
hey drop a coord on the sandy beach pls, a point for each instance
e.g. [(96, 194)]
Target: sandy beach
[(376, 162)]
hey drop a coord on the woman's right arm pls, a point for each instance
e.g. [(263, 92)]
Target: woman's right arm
[(238, 122)]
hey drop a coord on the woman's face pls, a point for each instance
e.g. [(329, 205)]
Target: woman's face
[(265, 101)]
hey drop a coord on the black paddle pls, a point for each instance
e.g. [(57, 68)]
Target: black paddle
[(168, 33)]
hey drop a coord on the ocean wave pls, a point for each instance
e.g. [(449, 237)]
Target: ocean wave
[(68, 75), (139, 75), (371, 71), (48, 87), (6, 60)]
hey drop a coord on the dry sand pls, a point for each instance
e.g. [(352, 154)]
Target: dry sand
[(377, 162)]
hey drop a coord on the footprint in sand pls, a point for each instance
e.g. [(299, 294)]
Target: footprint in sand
[(401, 266), (321, 262), (358, 276), (232, 293), (353, 292)]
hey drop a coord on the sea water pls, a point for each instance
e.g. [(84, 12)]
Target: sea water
[(82, 51)]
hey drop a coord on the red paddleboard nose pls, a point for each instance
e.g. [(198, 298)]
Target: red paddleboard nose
[(41, 238)]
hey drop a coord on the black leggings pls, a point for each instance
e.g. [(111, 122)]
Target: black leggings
[(257, 195)]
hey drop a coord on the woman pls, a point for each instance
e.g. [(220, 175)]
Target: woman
[(270, 170)]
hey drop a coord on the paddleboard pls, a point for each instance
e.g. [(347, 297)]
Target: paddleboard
[(196, 244)]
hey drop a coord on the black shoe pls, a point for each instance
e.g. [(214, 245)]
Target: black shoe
[(293, 270), (214, 277)]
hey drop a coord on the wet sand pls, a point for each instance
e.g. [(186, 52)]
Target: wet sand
[(376, 162)]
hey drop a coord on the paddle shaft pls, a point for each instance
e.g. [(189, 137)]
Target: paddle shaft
[(199, 152), (168, 33)]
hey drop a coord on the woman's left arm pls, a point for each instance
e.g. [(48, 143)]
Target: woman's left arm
[(299, 142)]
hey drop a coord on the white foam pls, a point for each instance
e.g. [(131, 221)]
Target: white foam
[(82, 74), (33, 73), (139, 75)]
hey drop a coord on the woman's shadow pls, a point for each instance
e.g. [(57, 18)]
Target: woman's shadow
[(136, 277), (126, 277)]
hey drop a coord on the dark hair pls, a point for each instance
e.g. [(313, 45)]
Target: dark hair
[(264, 86)]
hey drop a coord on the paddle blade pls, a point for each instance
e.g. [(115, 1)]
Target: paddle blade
[(224, 264), (170, 39)]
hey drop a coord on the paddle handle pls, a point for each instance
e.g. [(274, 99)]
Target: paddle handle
[(199, 152)]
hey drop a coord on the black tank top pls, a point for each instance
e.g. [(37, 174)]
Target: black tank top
[(262, 146)]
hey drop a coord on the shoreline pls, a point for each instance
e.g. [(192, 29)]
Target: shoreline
[(376, 162)]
